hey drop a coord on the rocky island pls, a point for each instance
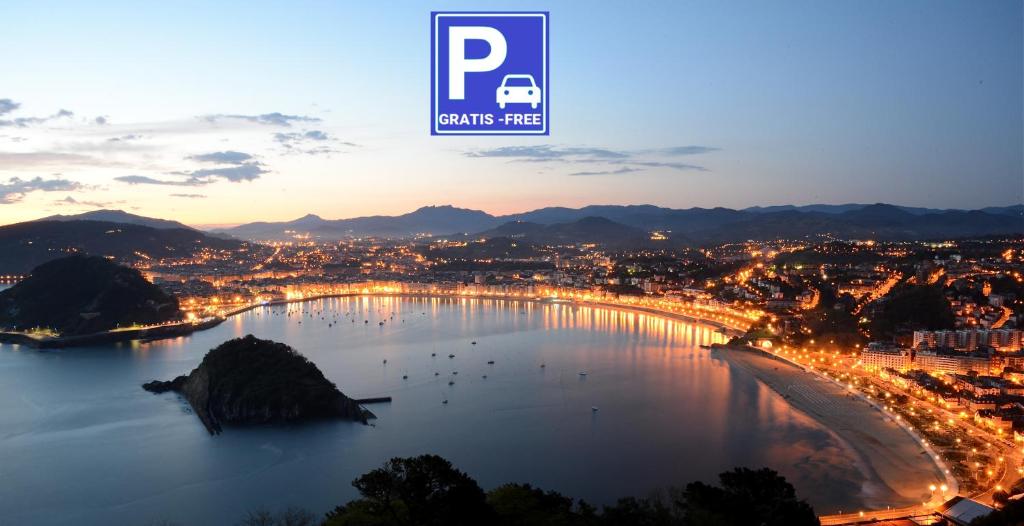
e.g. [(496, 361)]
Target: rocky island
[(249, 381), (80, 295)]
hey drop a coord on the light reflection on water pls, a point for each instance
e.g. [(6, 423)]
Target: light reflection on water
[(82, 443)]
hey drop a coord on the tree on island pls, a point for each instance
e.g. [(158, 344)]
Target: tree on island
[(428, 491)]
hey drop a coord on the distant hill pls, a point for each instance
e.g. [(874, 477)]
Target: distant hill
[(699, 225), (82, 295), (26, 245), (598, 230), (426, 220), (118, 216)]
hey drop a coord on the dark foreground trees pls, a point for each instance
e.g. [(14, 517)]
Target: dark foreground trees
[(427, 491)]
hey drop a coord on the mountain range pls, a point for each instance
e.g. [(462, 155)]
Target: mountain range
[(611, 225), (691, 225)]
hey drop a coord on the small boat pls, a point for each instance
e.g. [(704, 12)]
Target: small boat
[(437, 373), (451, 356), (485, 377), (366, 321), (433, 354), (405, 377), (455, 372), (542, 366), (385, 360), (593, 408), (490, 362), (381, 324), (583, 373), (705, 346), (451, 382), (472, 343), (445, 401)]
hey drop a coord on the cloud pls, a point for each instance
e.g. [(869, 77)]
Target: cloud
[(674, 166), (242, 172), (96, 204), (15, 188), (226, 157), (189, 196), (125, 138), (623, 170), (627, 160), (685, 150), (547, 152), (309, 142), (8, 105), (243, 167), (22, 122), (271, 119), (145, 179), (23, 160)]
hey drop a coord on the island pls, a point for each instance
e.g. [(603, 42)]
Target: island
[(249, 381)]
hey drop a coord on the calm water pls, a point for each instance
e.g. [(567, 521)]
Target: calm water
[(82, 443)]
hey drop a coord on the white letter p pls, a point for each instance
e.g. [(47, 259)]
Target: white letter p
[(459, 65)]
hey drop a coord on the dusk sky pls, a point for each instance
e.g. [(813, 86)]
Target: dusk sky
[(219, 113)]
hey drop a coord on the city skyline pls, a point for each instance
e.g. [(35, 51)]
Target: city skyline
[(269, 114)]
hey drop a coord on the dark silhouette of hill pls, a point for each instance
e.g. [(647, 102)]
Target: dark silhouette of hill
[(83, 295), (426, 220), (26, 245), (698, 225), (598, 230), (118, 216), (248, 381)]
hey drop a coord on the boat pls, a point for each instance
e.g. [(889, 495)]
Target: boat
[(405, 377), (583, 373), (445, 402), (490, 362), (451, 356), (705, 346), (593, 408), (451, 382), (472, 343)]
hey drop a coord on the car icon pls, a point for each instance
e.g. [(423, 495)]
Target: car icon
[(516, 89)]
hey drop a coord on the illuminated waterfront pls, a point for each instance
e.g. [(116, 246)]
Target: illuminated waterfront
[(86, 444)]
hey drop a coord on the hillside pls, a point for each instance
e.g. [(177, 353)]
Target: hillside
[(118, 216), (26, 245), (699, 225), (249, 381), (83, 295)]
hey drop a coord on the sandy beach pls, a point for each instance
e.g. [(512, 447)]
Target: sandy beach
[(896, 469)]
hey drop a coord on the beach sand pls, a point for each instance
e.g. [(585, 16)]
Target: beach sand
[(896, 469)]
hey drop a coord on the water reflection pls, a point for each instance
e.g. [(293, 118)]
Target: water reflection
[(81, 443)]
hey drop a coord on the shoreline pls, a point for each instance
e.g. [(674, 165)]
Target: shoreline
[(187, 328), (889, 456)]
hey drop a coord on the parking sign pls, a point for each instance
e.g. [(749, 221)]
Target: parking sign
[(489, 73)]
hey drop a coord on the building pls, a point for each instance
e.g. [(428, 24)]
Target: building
[(879, 356), (949, 361), (1003, 340)]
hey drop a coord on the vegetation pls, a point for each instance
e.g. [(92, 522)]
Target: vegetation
[(427, 491), (82, 295), (914, 307), (253, 381)]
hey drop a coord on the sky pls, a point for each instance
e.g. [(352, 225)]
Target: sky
[(217, 113)]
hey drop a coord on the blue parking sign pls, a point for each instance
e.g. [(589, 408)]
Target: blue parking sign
[(489, 73)]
